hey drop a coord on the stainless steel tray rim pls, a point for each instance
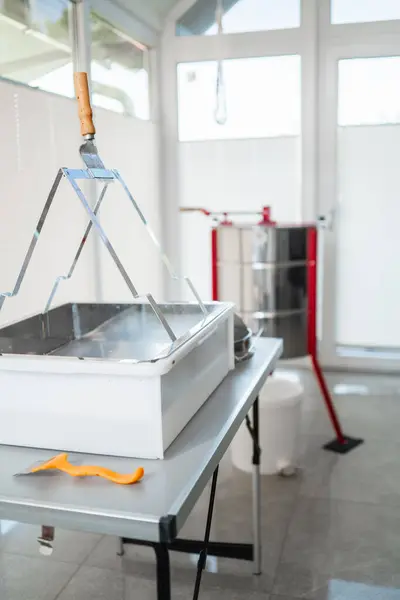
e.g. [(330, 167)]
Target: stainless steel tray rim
[(191, 335)]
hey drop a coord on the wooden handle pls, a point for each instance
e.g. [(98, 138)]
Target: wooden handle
[(61, 463), (84, 108)]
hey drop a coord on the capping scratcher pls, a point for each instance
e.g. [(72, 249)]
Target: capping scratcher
[(61, 463)]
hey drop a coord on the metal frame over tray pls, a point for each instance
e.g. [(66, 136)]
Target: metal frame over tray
[(113, 332), (107, 177)]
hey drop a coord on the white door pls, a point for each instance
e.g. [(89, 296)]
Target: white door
[(359, 193)]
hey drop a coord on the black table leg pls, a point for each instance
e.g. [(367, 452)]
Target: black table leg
[(204, 548), (255, 436), (203, 554), (256, 489), (163, 572)]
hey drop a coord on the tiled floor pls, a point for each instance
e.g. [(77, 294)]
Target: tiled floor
[(330, 533)]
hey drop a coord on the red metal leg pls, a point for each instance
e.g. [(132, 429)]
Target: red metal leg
[(342, 443), (312, 330), (214, 262), (328, 400)]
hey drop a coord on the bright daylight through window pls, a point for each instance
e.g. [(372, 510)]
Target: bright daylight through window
[(365, 11), (369, 91), (262, 98), (35, 50)]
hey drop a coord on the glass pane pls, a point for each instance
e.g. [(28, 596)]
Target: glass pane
[(262, 98), (369, 91), (119, 71), (368, 210), (34, 44), (240, 16), (355, 11)]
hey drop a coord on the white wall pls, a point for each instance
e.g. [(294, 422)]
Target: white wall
[(235, 175), (367, 225), (130, 145), (40, 133)]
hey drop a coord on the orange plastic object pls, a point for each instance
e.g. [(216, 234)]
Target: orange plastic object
[(61, 463)]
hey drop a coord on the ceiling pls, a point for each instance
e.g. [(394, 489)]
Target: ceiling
[(152, 12)]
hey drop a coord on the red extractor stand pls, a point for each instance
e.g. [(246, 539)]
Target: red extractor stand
[(342, 443)]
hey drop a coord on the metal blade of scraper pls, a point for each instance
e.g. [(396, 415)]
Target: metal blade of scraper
[(88, 150), (75, 460)]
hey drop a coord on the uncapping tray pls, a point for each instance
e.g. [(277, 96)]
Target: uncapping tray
[(105, 378)]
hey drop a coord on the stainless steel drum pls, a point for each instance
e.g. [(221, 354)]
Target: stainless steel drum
[(263, 269)]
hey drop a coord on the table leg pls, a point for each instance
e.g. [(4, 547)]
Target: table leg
[(201, 564), (120, 546), (256, 490), (163, 572)]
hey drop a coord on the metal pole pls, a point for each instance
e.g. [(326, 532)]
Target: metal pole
[(80, 36), (256, 490), (201, 564), (81, 44)]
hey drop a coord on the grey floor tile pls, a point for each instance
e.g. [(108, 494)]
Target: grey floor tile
[(374, 417), (366, 383), (339, 541), (372, 413), (138, 561), (25, 578), (92, 583), (370, 473), (338, 589), (69, 546)]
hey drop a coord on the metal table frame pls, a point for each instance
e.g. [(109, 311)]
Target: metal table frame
[(153, 513), (205, 548)]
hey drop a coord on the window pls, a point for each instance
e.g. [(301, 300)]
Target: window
[(262, 98), (240, 16), (369, 91), (365, 11), (120, 79), (35, 50), (34, 43)]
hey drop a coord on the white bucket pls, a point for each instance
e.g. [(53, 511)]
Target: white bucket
[(279, 422)]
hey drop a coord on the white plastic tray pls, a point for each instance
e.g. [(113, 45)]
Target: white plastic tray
[(104, 379)]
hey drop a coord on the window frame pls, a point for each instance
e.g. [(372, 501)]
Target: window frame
[(320, 44)]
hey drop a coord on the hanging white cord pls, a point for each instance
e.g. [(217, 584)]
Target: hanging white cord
[(220, 113)]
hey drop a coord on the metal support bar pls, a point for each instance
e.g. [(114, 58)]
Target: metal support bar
[(256, 490), (35, 237), (203, 554), (77, 255), (114, 256), (255, 435), (163, 255), (231, 550), (120, 546)]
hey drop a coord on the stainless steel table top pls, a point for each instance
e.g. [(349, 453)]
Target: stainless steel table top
[(158, 507)]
